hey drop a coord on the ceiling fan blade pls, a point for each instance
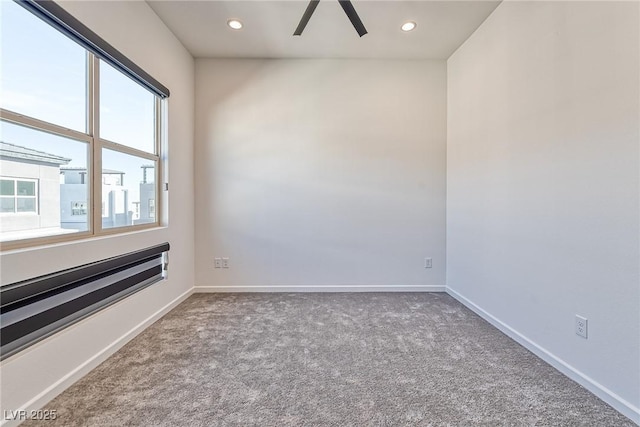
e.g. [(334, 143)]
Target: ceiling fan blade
[(353, 17), (305, 18)]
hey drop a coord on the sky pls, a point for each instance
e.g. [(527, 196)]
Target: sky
[(43, 75)]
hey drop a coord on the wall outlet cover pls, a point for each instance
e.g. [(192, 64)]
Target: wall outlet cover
[(581, 326)]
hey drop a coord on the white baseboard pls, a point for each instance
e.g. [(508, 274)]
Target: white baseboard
[(65, 382), (319, 288), (621, 405)]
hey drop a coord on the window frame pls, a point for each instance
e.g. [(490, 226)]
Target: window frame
[(95, 144)]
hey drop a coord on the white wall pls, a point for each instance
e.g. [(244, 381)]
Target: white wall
[(33, 376), (542, 184), (320, 173)]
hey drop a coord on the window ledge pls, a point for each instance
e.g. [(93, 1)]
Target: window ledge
[(65, 240)]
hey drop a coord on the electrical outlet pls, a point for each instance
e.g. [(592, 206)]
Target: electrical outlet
[(581, 326), (428, 263), (217, 262), (225, 262)]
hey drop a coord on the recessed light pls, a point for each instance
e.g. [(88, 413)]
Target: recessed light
[(234, 24), (408, 26)]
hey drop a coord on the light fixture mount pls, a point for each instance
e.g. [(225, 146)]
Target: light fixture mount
[(348, 10)]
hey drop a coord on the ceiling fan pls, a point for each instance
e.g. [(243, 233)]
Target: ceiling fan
[(346, 6)]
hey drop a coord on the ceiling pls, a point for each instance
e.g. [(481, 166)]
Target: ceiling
[(268, 28)]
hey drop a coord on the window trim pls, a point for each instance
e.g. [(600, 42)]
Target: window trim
[(95, 144)]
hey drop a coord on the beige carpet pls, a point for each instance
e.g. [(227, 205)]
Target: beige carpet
[(348, 359)]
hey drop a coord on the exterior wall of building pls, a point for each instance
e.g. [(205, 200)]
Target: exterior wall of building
[(147, 203), (71, 176), (115, 212), (48, 195), (71, 198), (73, 194)]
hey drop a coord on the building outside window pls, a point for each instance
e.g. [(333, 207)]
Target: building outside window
[(152, 208), (78, 208)]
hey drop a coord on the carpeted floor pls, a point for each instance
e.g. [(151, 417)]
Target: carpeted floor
[(347, 359)]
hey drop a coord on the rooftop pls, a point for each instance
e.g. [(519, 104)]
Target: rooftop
[(23, 153), (81, 169)]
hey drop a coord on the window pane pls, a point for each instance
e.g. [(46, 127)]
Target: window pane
[(7, 187), (127, 110), (7, 204), (26, 204), (128, 185), (49, 172), (43, 71), (26, 188)]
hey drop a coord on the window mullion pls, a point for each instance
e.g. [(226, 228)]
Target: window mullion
[(128, 150), (90, 94), (33, 123), (159, 171), (96, 147)]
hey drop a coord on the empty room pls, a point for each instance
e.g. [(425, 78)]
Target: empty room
[(320, 213)]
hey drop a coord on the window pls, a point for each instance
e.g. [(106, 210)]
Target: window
[(54, 92), (79, 208), (70, 102), (18, 195)]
